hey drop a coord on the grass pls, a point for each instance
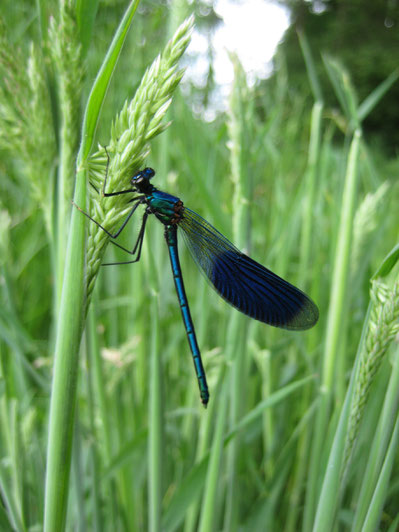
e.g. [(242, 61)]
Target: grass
[(301, 432)]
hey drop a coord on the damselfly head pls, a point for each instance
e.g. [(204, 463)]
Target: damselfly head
[(142, 176)]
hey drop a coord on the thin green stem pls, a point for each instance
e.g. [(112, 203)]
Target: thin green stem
[(63, 397), (155, 418), (211, 495), (338, 301)]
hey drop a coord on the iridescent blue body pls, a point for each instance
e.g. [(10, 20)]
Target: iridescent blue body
[(243, 283), (169, 210)]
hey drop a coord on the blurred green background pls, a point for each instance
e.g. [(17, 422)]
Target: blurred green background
[(272, 172)]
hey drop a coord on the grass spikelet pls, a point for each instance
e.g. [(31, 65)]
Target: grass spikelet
[(138, 122), (239, 116), (382, 329), (366, 221), (25, 118), (67, 58), (39, 137)]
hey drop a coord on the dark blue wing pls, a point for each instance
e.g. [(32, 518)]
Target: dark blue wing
[(245, 284)]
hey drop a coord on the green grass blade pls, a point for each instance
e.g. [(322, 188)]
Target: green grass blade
[(310, 67), (12, 517), (344, 91), (63, 396), (189, 492), (373, 517), (211, 495), (379, 450), (330, 493), (270, 401), (306, 249), (341, 265), (102, 81), (388, 263), (155, 418), (375, 97), (337, 307)]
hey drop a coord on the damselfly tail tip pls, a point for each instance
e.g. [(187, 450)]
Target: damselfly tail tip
[(205, 400)]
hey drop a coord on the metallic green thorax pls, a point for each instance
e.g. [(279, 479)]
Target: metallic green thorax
[(168, 209)]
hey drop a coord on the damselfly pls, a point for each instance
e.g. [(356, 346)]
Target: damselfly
[(246, 285)]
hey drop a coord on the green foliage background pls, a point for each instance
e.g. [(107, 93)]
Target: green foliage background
[(302, 428), (365, 39)]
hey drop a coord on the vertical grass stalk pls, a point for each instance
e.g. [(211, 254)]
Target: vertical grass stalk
[(211, 495), (306, 252), (63, 397), (239, 118), (155, 417), (337, 306)]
